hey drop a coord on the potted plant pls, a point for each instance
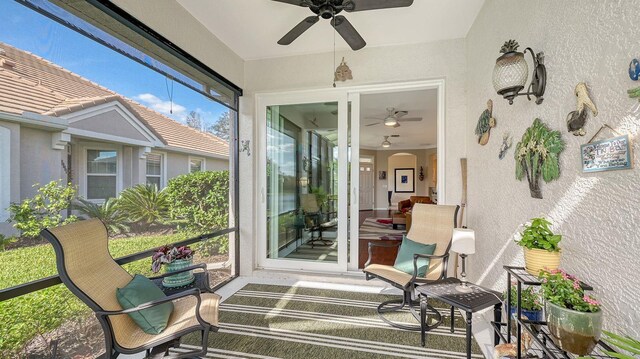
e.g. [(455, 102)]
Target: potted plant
[(540, 246), (174, 259), (531, 305), (574, 318)]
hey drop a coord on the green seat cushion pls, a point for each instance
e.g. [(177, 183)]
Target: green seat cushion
[(404, 260), (142, 290)]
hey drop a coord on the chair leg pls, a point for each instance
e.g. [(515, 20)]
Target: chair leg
[(411, 305)]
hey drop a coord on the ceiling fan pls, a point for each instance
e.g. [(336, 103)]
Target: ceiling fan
[(329, 9), (386, 143), (394, 118)]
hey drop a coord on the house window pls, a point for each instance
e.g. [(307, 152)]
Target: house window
[(154, 170), (196, 165), (102, 173)]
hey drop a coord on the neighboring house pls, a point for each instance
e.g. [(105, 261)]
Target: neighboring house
[(52, 120)]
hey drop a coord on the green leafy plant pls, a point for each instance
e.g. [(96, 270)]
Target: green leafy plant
[(530, 298), (623, 343), (321, 196), (564, 290), (44, 210), (108, 212), (199, 201), (538, 235), (5, 241), (537, 154), (144, 204)]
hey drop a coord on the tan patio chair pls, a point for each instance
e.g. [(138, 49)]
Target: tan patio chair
[(315, 220), (430, 224), (88, 270)]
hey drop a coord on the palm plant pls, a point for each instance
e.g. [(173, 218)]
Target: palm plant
[(144, 204), (537, 154), (108, 212)]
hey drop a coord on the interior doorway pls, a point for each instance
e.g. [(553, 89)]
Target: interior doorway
[(367, 184), (399, 131)]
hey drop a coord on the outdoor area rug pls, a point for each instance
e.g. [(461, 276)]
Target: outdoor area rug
[(265, 321), (372, 229)]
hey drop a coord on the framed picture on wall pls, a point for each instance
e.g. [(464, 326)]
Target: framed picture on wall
[(405, 180)]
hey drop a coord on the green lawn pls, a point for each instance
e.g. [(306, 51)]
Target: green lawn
[(24, 317)]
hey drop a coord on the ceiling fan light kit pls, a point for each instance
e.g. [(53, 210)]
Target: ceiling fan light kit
[(386, 143), (390, 121), (329, 9), (511, 72)]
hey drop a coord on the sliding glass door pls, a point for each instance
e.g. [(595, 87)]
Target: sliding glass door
[(304, 187)]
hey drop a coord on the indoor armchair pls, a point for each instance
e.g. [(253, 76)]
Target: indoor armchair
[(432, 225), (86, 267)]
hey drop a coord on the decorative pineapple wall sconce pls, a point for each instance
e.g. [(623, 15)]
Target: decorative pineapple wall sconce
[(511, 73)]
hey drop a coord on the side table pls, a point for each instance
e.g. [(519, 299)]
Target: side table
[(445, 291)]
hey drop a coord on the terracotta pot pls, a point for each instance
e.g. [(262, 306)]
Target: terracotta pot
[(538, 259), (573, 331)]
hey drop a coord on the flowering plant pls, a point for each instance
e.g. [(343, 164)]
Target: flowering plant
[(530, 298), (166, 254), (564, 290)]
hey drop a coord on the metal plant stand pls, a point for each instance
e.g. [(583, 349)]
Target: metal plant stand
[(542, 345)]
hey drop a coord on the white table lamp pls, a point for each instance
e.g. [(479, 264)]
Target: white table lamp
[(463, 242)]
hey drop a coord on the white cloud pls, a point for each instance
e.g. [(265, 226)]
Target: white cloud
[(164, 107)]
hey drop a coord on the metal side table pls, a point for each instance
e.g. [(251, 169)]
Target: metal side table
[(445, 291)]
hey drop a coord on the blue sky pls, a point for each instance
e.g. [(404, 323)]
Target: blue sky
[(28, 30)]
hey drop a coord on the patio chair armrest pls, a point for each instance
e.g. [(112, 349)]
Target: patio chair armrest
[(383, 244), (443, 257), (191, 292), (196, 266)]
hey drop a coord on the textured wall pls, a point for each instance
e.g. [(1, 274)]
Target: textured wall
[(590, 41)]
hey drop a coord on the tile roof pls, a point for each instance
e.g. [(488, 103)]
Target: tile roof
[(29, 83)]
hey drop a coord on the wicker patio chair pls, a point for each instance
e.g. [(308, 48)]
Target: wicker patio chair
[(88, 270), (430, 224)]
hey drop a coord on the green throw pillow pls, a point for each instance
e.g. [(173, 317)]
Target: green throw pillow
[(404, 260), (142, 290)]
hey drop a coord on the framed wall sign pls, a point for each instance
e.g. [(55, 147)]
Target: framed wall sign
[(607, 155), (405, 180)]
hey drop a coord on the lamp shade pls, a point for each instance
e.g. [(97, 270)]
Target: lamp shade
[(510, 73), (390, 121), (463, 241)]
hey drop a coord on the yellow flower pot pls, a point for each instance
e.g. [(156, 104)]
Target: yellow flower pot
[(538, 259)]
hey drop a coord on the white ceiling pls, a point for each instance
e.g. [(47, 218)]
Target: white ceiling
[(413, 135), (251, 28)]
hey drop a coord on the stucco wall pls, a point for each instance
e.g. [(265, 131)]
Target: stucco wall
[(590, 41), (39, 163)]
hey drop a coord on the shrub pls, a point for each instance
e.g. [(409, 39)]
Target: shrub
[(144, 204), (43, 210), (108, 212), (200, 200), (5, 241)]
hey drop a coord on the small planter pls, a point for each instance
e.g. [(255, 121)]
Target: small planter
[(538, 259), (573, 331), (535, 315), (180, 279)]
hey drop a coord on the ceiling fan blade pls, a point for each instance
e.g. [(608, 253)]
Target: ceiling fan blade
[(348, 32), (411, 119), (372, 124), (298, 30), (295, 2), (399, 114), (363, 5)]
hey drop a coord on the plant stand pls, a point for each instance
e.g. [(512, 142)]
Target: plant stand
[(542, 345)]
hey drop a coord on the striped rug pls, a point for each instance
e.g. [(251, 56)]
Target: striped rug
[(372, 229), (265, 322)]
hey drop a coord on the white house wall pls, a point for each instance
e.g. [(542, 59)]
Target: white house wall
[(590, 41)]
